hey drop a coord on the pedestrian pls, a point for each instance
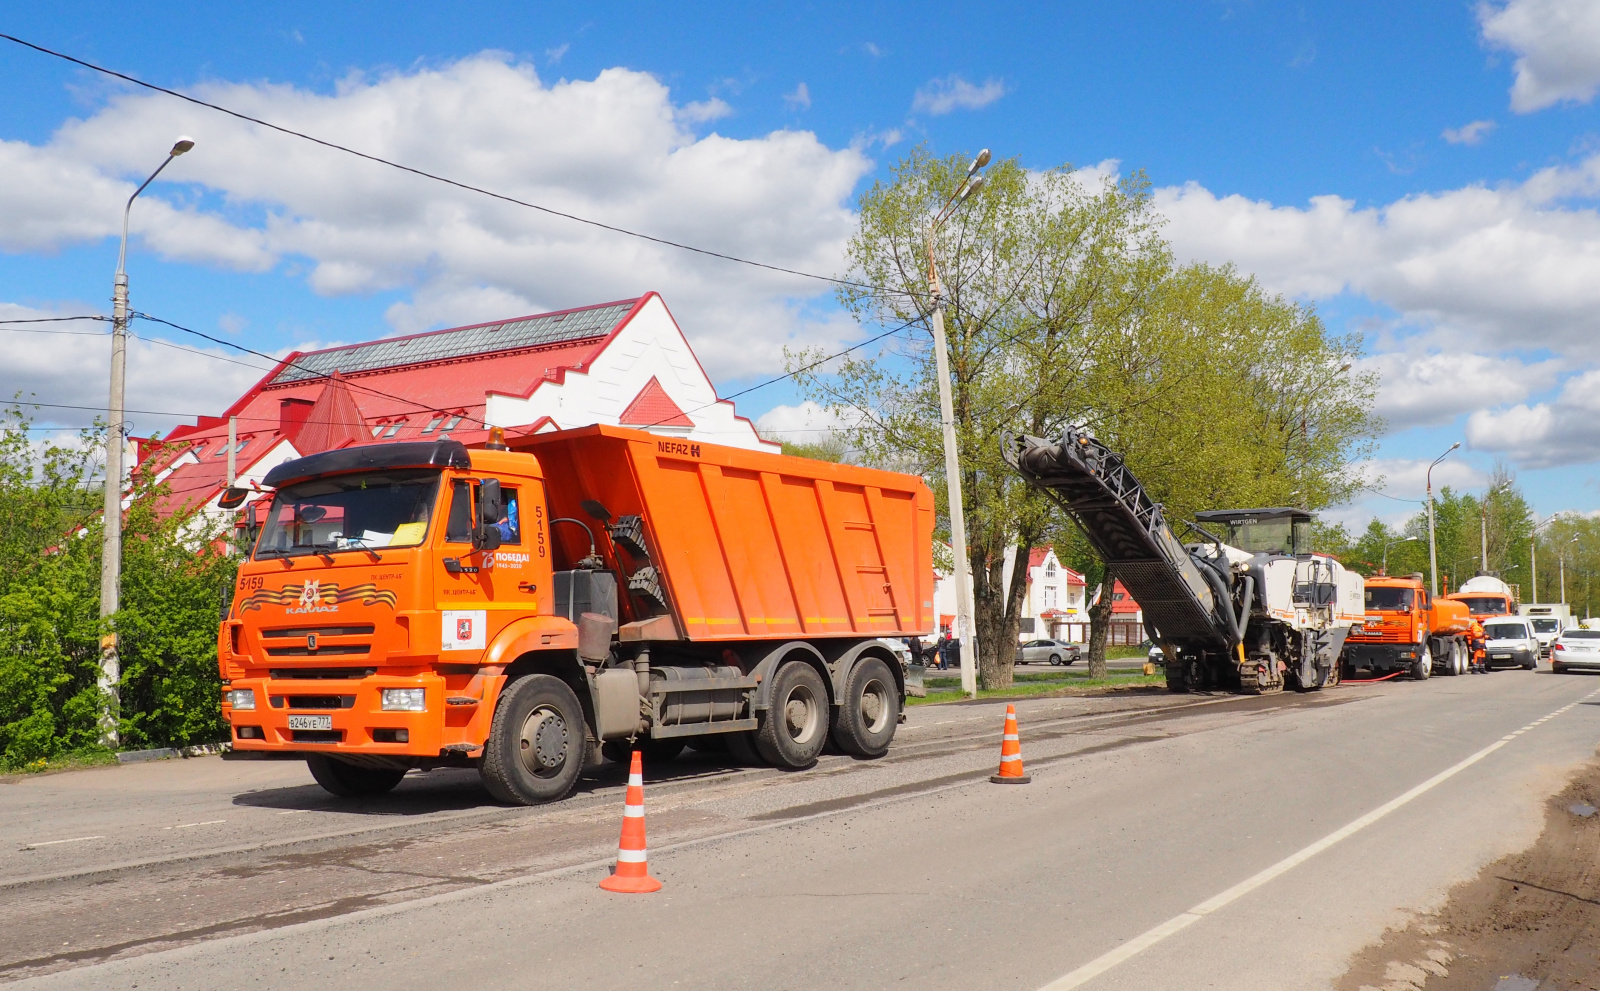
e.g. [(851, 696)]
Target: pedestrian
[(1477, 647)]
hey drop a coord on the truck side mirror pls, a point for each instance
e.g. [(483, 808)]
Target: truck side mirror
[(486, 537), (491, 505)]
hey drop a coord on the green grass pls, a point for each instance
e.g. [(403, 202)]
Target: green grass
[(1072, 684), (88, 757)]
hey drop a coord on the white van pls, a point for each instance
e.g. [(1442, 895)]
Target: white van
[(1510, 640), (1549, 619)]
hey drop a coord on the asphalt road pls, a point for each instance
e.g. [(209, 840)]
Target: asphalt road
[(1165, 842)]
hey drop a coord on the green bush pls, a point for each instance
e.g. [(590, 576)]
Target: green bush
[(50, 627)]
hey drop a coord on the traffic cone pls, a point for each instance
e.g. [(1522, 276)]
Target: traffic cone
[(1010, 753), (632, 874)]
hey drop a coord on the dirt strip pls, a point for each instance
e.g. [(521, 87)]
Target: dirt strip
[(1528, 921)]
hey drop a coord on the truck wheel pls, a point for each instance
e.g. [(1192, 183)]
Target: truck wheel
[(1450, 661), (348, 780), (536, 742), (869, 711), (1422, 670), (795, 727)]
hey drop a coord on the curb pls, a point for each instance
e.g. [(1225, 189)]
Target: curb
[(168, 753)]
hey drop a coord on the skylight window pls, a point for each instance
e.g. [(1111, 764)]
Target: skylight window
[(394, 428), (452, 424), (432, 424), (377, 428)]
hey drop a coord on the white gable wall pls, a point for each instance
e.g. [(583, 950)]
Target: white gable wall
[(648, 345)]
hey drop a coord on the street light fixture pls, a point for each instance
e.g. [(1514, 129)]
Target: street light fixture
[(1433, 552), (964, 632), (1398, 540), (111, 547)]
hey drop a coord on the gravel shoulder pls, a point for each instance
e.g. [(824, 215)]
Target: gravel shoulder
[(1529, 920)]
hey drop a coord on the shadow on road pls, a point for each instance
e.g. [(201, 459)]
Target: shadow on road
[(452, 789)]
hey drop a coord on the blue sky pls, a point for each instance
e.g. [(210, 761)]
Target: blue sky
[(1423, 174)]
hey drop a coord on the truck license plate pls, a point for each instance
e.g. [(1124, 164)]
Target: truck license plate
[(1498, 657), (311, 722)]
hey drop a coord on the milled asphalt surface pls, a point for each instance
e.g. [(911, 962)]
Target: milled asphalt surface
[(909, 871)]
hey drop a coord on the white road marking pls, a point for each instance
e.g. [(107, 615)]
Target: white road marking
[(190, 825), (1183, 920), (75, 839)]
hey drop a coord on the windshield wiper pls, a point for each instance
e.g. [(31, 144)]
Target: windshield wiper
[(357, 538)]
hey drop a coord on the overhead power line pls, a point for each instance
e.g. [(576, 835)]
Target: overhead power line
[(55, 319), (666, 242)]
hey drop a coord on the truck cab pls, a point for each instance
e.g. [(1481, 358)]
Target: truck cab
[(1406, 628)]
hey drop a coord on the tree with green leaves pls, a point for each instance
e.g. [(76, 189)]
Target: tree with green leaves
[(1065, 306)]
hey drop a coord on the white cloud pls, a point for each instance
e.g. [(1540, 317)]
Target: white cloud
[(615, 148), (1407, 478), (1468, 134), (800, 99), (1545, 435), (556, 54), (1508, 264), (1425, 388), (807, 422), (73, 369), (1557, 44), (940, 96)]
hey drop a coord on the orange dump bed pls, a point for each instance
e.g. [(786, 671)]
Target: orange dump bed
[(753, 545)]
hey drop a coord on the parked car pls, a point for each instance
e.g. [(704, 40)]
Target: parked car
[(1510, 640), (1055, 651), (1576, 650)]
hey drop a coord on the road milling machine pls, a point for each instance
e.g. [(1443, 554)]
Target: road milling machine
[(1247, 608)]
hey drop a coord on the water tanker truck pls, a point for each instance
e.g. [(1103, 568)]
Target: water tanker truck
[(422, 605), (1407, 629), (1247, 608)]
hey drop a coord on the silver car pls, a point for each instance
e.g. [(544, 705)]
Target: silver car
[(1576, 650), (1055, 651)]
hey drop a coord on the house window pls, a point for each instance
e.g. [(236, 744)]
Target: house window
[(394, 428), (432, 424), (1049, 598), (1050, 570)]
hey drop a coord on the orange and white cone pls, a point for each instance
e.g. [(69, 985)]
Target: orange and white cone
[(632, 874), (1010, 754)]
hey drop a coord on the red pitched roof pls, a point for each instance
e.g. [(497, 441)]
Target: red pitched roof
[(652, 407), (1126, 603), (334, 420), (1037, 555)]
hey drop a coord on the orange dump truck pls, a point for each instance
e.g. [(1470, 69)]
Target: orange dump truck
[(1406, 629), (418, 605)]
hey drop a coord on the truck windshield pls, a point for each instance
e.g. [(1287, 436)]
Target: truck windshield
[(362, 511), (1384, 599), (1488, 605), (1547, 626)]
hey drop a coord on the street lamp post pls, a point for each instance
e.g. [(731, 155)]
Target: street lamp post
[(1399, 540), (965, 633), (1574, 540), (1433, 553), (1483, 523), (1533, 555), (111, 547)]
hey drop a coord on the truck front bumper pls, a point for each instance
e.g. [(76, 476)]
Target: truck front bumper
[(1382, 657), (347, 716)]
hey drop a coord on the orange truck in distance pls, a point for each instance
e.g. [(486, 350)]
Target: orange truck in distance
[(1407, 629), (418, 605)]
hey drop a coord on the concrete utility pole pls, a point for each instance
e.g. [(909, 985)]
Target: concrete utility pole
[(1483, 522), (965, 632), (111, 547), (1433, 552)]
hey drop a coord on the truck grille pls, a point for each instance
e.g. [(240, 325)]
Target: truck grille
[(318, 735), (299, 641), (322, 674), (1380, 634), (322, 701)]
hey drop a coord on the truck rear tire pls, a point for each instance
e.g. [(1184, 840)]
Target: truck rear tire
[(742, 748), (536, 742), (338, 777), (795, 727), (1450, 667), (869, 711)]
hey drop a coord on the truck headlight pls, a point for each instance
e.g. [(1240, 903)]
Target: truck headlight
[(242, 698), (403, 700)]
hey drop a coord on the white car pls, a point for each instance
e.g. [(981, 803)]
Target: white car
[(1576, 650), (1510, 640)]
